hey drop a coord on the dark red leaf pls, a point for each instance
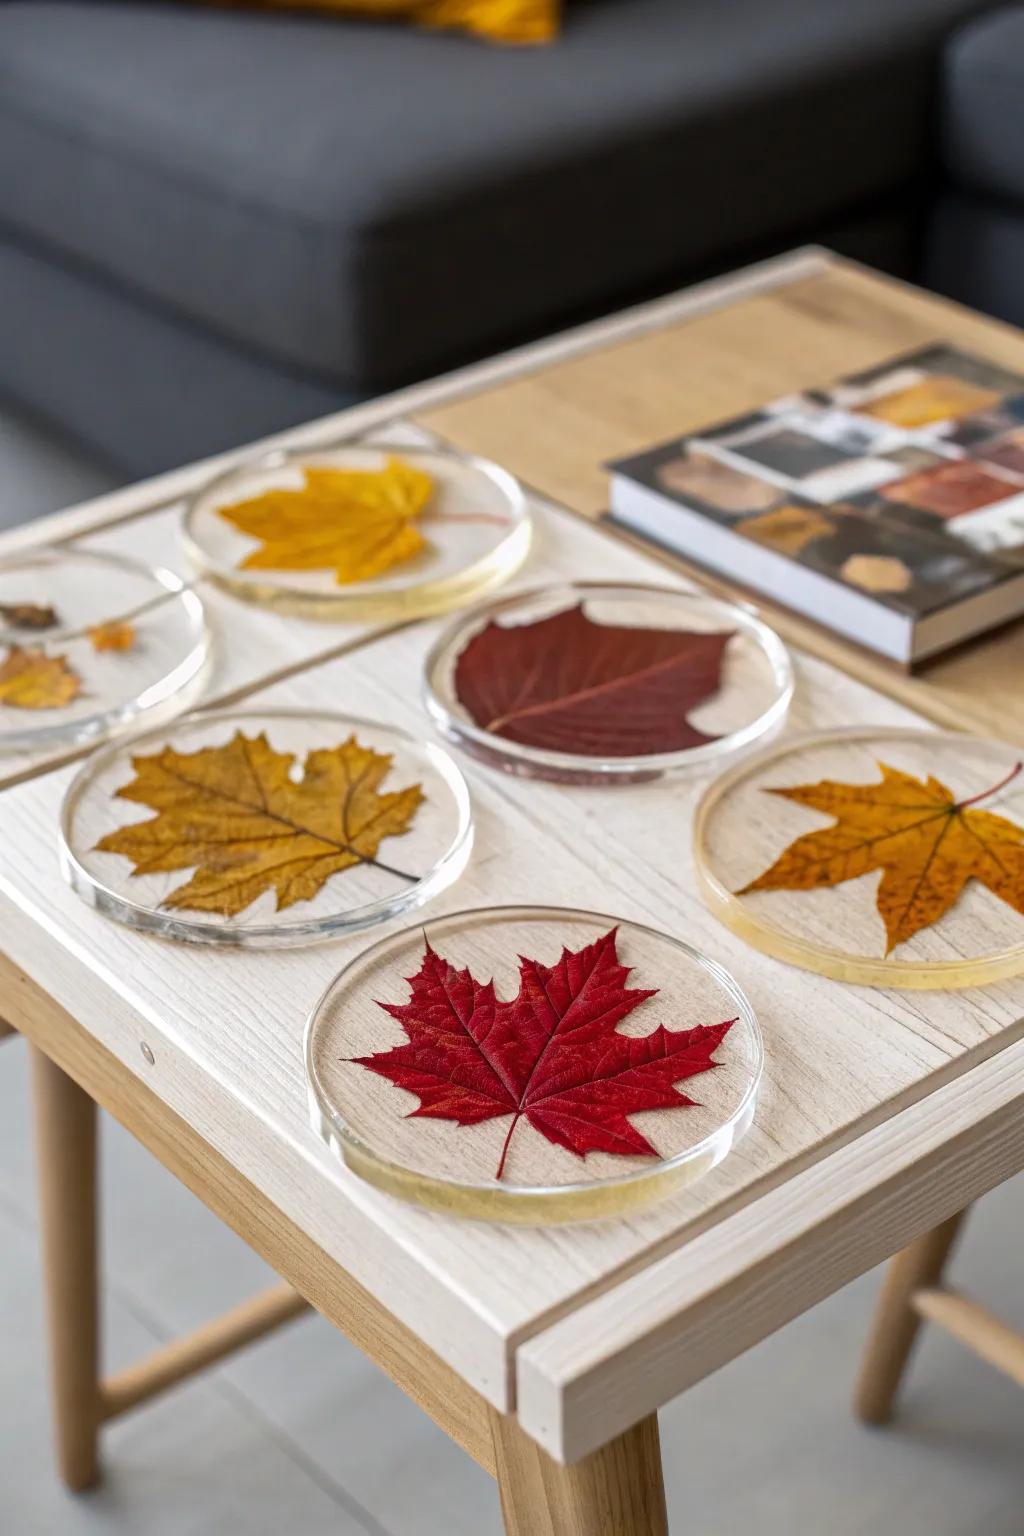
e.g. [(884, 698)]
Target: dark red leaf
[(566, 684), (552, 1055)]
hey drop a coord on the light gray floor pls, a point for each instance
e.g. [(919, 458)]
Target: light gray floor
[(301, 1435)]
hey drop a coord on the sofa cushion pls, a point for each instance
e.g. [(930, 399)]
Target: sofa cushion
[(983, 106), (371, 202), (502, 21)]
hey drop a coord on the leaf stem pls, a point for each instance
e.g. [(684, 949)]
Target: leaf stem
[(994, 790), (508, 1138), (389, 869)]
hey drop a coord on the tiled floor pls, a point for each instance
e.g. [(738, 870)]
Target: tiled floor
[(301, 1435)]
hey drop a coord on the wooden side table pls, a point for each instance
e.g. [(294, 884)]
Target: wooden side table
[(544, 1352)]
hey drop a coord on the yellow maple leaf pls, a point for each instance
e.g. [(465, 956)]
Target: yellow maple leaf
[(33, 680), (236, 816), (357, 522), (926, 843), (115, 635)]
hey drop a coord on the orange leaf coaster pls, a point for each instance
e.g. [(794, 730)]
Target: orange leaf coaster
[(927, 844), (880, 856)]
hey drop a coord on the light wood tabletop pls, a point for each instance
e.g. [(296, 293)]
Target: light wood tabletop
[(882, 1112)]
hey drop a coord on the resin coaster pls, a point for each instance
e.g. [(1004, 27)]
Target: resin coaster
[(59, 683), (913, 827), (265, 829), (470, 532), (599, 683), (532, 1064)]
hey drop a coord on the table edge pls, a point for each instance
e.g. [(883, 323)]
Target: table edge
[(623, 1355)]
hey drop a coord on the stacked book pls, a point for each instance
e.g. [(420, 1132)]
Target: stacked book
[(888, 506)]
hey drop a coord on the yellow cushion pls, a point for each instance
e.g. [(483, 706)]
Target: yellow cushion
[(502, 21)]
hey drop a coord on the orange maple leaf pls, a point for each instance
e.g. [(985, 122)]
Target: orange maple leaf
[(926, 843), (358, 522), (31, 679)]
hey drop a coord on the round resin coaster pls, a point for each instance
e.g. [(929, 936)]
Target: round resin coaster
[(359, 531), (532, 1064), (265, 829), (602, 683), (90, 643), (880, 856)]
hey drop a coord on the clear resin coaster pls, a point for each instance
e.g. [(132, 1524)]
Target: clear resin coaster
[(265, 829), (532, 1064), (90, 643), (886, 857), (359, 531), (598, 683)]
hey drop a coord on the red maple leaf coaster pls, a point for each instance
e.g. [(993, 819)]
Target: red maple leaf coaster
[(553, 1055)]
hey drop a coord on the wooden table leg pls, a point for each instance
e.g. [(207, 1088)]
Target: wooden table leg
[(895, 1324), (616, 1491), (65, 1126)]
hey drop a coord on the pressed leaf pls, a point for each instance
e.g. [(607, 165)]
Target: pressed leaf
[(237, 816), (33, 680), (357, 522), (927, 843), (567, 684), (552, 1056), (116, 635), (28, 615)]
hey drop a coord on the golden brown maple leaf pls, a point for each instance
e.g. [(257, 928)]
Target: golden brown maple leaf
[(115, 635), (33, 680), (927, 844), (357, 522), (237, 816)]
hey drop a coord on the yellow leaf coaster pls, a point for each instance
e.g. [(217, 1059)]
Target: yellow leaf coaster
[(358, 523), (361, 532)]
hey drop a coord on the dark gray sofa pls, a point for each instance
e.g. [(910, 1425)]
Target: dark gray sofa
[(216, 223), (975, 247)]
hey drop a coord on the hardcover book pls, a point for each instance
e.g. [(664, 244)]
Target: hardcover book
[(889, 506)]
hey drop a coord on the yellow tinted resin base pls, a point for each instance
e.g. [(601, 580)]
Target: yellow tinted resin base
[(837, 931)]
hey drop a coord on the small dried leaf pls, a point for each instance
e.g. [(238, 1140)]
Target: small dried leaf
[(357, 522), (236, 816), (33, 680), (926, 843), (113, 636), (28, 615)]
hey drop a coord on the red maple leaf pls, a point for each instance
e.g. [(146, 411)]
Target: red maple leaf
[(553, 1055), (567, 684)]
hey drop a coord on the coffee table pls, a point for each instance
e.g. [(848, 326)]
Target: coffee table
[(544, 1351)]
